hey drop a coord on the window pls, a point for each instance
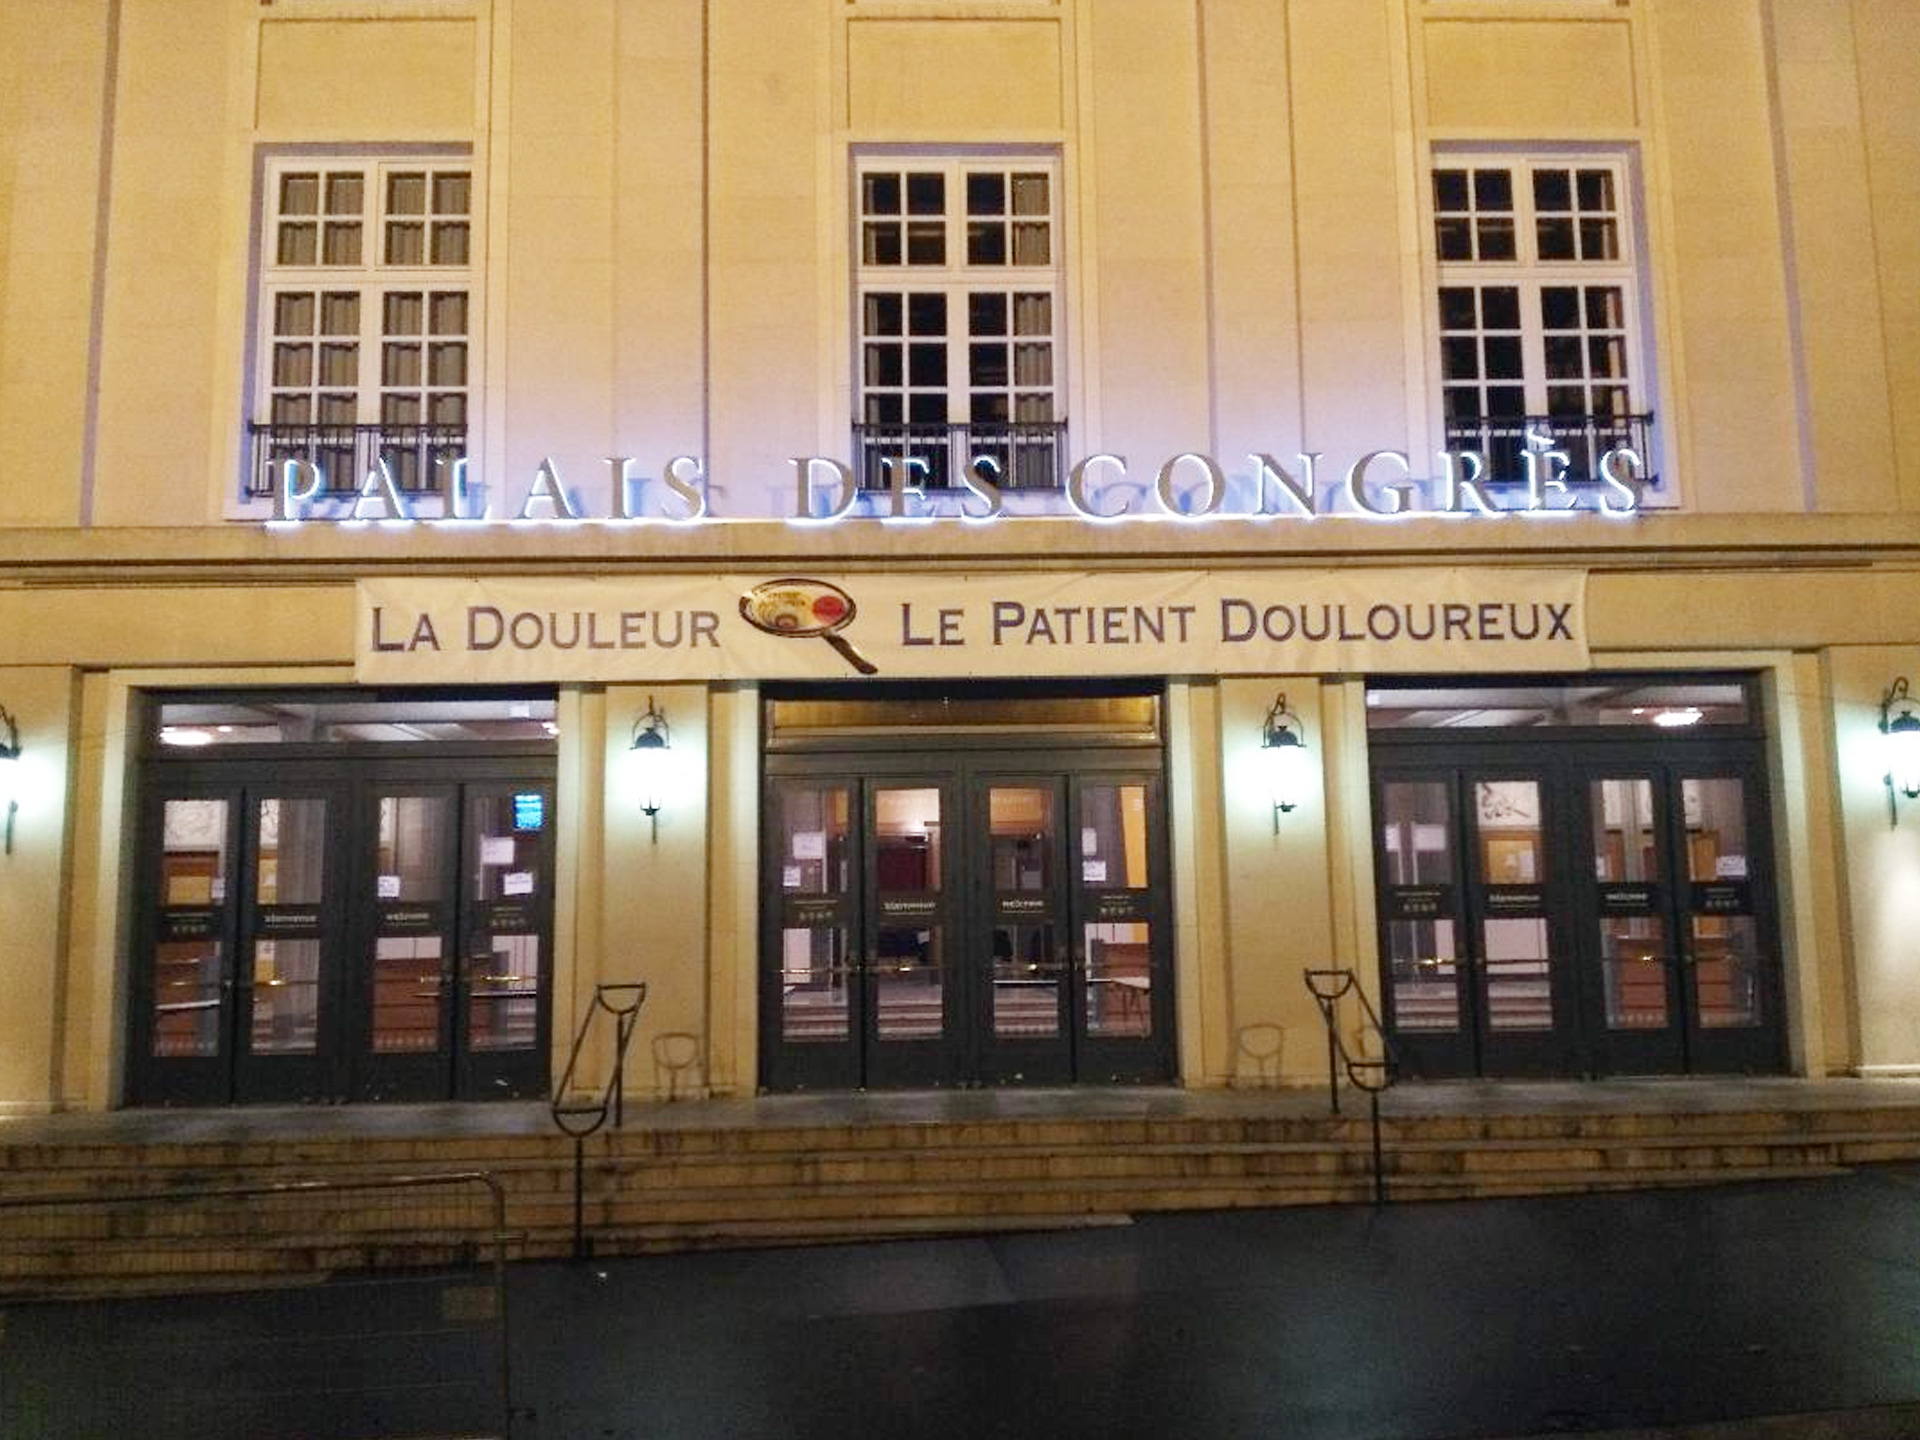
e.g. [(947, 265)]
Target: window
[(365, 320), (1538, 310), (957, 293)]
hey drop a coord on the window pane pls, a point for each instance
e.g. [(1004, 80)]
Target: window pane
[(986, 314), (399, 364), (926, 242), (986, 194), (1033, 314), (1606, 307), (882, 365), (451, 191), (1596, 190), (1560, 307), (1113, 835), (406, 243), (1500, 307), (299, 194), (986, 243), (1502, 357), (407, 194), (450, 243), (1599, 240), (293, 314), (1030, 195), (404, 313), (292, 365), (927, 313), (1032, 364), (448, 309), (1492, 190), (987, 364), (880, 194), (926, 365), (343, 245), (1555, 239), (1453, 238), (881, 314), (1449, 190), (299, 244), (448, 410), (1496, 239), (346, 194), (926, 194), (340, 312), (1552, 190), (1457, 308), (339, 364), (880, 243)]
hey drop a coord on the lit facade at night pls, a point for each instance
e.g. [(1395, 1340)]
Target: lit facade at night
[(964, 428)]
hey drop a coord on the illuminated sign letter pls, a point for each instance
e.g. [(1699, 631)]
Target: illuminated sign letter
[(290, 497), (691, 488), (546, 486), (1077, 495), (845, 493), (1397, 497), (903, 495), (456, 494), (380, 486), (1465, 471), (1547, 468), (617, 482), (1216, 485), (1626, 486), (1270, 475), (979, 479)]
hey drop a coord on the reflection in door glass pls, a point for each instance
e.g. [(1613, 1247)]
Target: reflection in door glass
[(1623, 831), (1026, 982), (1425, 979), (1020, 824), (289, 870), (410, 882), (813, 839), (813, 983), (1635, 954), (1507, 818), (1416, 845), (909, 994), (1727, 963), (1119, 979), (1518, 974), (1113, 836), (503, 1001), (907, 835), (187, 960), (506, 966)]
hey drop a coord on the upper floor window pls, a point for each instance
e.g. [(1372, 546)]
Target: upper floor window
[(957, 289), (1539, 309), (365, 319)]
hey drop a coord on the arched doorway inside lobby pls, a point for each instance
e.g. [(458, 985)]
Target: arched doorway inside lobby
[(1575, 876), (342, 895), (964, 885)]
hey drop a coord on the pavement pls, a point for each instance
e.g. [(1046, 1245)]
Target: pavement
[(1788, 1309)]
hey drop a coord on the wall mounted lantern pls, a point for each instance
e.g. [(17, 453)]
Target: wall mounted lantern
[(648, 753), (1900, 724), (1283, 749), (9, 769)]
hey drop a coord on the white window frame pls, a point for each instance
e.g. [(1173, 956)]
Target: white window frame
[(1598, 345), (1009, 252), (381, 378)]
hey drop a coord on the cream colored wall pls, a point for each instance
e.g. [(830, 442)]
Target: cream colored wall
[(53, 56), (1886, 46), (1881, 861), (32, 880), (1836, 294)]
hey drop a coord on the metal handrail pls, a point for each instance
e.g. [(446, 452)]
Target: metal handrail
[(1375, 1076), (186, 1195), (582, 1118), (1501, 439), (342, 455)]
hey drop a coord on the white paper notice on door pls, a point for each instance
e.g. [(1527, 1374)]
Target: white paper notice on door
[(387, 887), (496, 850), (809, 844), (517, 882)]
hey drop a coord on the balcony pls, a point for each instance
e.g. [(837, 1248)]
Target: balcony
[(1026, 455), (417, 456), (1502, 439)]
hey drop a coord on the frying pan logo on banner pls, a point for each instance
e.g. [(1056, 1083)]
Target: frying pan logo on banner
[(796, 608)]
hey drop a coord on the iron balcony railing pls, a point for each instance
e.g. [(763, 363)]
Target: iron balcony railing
[(1025, 454), (417, 456), (1501, 440)]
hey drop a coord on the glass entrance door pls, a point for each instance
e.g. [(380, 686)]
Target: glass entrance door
[(339, 936), (1601, 911), (974, 922), (1679, 915)]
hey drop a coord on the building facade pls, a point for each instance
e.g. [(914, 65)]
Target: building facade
[(964, 542)]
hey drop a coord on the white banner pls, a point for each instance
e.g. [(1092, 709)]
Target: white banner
[(935, 625)]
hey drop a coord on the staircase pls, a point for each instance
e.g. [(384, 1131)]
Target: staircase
[(672, 1180)]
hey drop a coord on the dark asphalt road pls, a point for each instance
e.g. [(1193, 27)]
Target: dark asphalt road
[(1447, 1320)]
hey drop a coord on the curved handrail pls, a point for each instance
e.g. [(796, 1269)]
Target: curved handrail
[(626, 1015), (1375, 1076)]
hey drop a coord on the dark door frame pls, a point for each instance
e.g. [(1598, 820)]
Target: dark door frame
[(339, 1068), (1564, 762)]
